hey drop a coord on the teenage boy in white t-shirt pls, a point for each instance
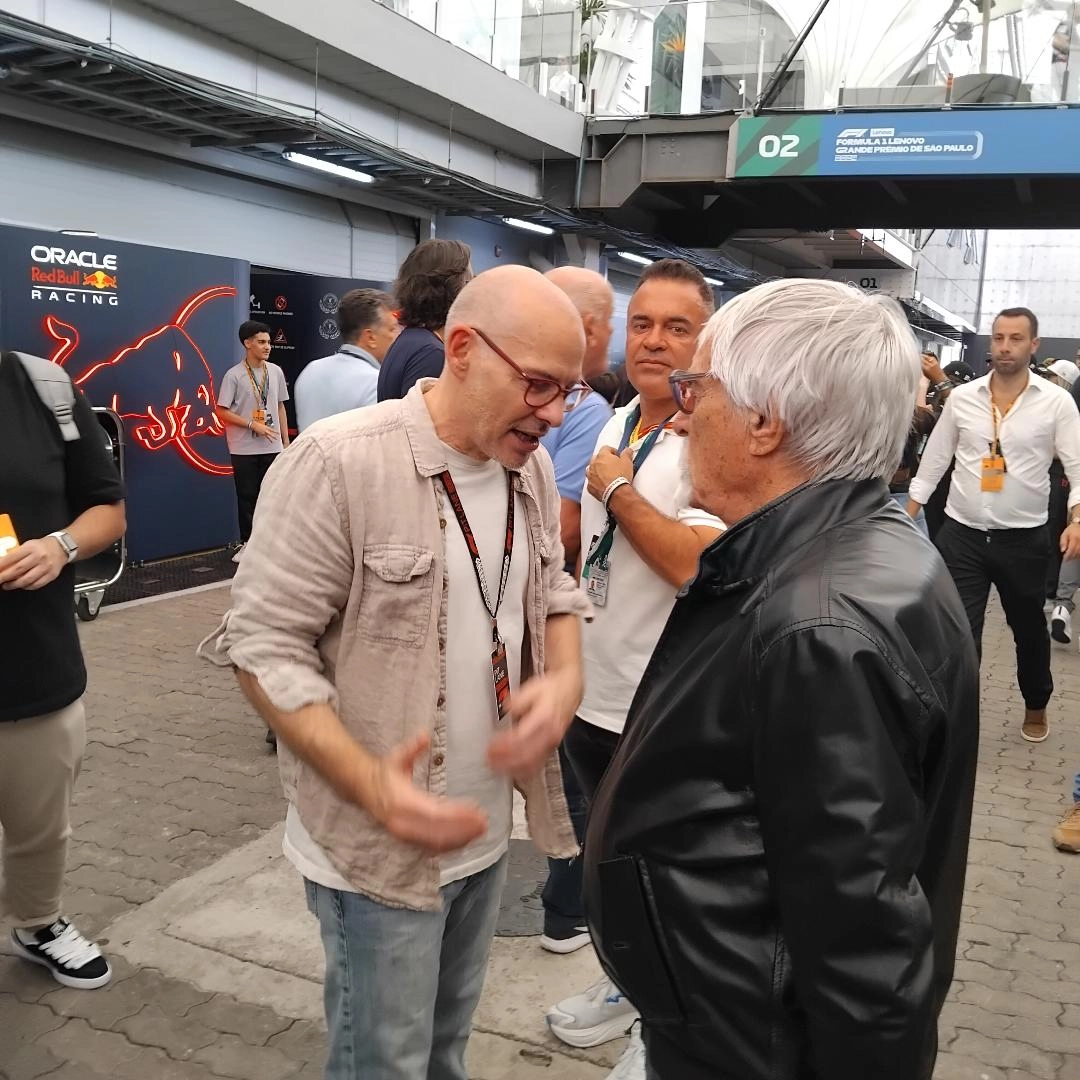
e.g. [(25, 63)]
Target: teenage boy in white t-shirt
[(640, 542)]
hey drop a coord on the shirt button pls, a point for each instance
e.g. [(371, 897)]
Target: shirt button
[(437, 760), (441, 702), (442, 523)]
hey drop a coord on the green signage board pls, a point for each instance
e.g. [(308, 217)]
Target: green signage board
[(777, 146)]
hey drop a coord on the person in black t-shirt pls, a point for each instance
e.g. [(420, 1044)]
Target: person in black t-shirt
[(60, 500), (428, 282)]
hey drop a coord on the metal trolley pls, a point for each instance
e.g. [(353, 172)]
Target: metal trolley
[(94, 575)]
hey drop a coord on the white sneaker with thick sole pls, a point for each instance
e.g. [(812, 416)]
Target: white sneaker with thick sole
[(1061, 625), (631, 1066), (598, 1015)]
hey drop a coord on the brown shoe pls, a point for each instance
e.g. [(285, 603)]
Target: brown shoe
[(1036, 727), (1067, 834)]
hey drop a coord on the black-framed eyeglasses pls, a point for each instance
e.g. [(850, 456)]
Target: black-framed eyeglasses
[(682, 390), (538, 392)]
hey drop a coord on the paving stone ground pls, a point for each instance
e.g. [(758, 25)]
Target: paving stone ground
[(176, 776)]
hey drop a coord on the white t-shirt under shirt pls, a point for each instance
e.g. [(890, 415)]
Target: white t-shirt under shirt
[(472, 714), (239, 396), (619, 641)]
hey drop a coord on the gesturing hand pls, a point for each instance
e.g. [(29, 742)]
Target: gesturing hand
[(262, 429), (418, 817), (32, 565), (542, 709)]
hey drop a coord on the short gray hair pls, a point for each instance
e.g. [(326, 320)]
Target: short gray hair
[(837, 367)]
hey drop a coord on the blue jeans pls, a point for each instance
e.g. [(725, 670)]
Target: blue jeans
[(401, 986), (901, 500)]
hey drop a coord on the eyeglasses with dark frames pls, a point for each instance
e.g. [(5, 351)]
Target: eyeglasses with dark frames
[(682, 390), (538, 392)]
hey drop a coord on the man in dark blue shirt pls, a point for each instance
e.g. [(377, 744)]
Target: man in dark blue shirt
[(429, 280)]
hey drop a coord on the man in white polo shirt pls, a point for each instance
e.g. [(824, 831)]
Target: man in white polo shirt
[(640, 541)]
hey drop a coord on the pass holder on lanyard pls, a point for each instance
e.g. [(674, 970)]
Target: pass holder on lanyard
[(596, 572), (260, 414), (992, 478), (500, 671)]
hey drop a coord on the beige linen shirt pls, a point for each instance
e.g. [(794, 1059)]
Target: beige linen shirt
[(341, 597)]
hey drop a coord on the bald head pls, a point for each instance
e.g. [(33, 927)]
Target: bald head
[(516, 304), (513, 346), (594, 298)]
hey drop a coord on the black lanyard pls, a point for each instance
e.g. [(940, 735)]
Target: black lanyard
[(474, 551), (602, 548)]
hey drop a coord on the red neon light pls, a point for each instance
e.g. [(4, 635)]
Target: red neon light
[(64, 333), (181, 423)]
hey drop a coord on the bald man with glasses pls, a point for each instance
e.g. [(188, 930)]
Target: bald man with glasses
[(419, 660)]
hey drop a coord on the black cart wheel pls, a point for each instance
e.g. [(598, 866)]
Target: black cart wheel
[(84, 610)]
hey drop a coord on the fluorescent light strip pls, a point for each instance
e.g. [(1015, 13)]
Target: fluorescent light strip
[(714, 283), (528, 226), (629, 256), (77, 232), (321, 165)]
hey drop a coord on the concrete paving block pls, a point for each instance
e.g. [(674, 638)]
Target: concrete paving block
[(232, 1057)]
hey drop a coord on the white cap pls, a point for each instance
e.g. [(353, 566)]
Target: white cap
[(1065, 369)]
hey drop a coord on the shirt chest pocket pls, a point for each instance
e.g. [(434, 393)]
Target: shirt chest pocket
[(395, 607)]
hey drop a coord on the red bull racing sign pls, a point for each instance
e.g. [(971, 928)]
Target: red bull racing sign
[(149, 333), (60, 275)]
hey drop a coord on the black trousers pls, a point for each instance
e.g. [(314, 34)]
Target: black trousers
[(1014, 561), (248, 473), (585, 754), (1057, 519)]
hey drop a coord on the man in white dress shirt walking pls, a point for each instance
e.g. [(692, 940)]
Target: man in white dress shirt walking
[(1004, 430)]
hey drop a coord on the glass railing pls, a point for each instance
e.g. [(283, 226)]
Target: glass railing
[(683, 57)]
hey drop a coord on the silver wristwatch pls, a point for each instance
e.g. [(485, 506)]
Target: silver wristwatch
[(67, 542)]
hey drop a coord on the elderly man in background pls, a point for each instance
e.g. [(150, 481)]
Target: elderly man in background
[(421, 658), (775, 858)]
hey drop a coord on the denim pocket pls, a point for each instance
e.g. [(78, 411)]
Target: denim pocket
[(633, 941), (311, 890)]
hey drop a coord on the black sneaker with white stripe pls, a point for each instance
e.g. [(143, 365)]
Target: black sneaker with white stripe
[(73, 960)]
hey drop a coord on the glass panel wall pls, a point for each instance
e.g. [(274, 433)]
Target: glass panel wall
[(629, 57)]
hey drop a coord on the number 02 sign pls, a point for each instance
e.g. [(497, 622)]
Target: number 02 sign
[(776, 146), (773, 146)]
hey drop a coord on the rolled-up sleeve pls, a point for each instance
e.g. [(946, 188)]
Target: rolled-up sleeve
[(294, 580)]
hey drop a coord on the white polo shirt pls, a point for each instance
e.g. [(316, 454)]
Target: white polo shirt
[(619, 641)]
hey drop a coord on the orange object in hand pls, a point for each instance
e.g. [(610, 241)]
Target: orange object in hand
[(8, 540)]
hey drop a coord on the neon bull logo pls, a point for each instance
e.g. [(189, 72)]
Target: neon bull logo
[(169, 359)]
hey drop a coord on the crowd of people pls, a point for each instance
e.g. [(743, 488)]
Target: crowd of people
[(717, 619)]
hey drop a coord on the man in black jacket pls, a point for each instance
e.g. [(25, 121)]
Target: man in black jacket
[(775, 859)]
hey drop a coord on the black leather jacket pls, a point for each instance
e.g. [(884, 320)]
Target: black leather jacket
[(775, 859)]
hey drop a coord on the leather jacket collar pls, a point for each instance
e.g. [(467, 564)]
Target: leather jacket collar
[(751, 547)]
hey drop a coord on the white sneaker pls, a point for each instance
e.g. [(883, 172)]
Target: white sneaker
[(631, 1066), (600, 1014), (239, 552), (1061, 625)]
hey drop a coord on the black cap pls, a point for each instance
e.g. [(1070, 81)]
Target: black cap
[(959, 372)]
